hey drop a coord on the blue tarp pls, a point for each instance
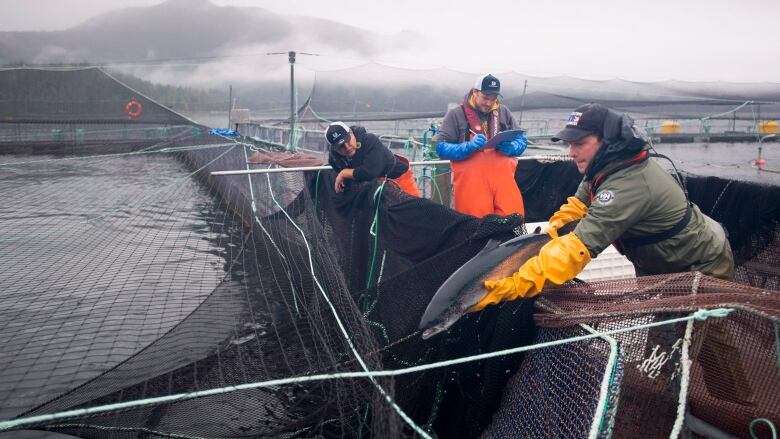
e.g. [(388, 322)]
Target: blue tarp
[(223, 132)]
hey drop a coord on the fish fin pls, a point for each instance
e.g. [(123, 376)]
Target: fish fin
[(490, 245)]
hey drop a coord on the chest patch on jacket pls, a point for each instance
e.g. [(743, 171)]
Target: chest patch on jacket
[(605, 197)]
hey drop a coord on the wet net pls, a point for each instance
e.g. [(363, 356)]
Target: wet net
[(44, 110), (251, 279), (145, 297)]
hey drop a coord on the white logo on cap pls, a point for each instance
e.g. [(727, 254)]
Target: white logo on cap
[(493, 83), (335, 135), (574, 118), (605, 197)]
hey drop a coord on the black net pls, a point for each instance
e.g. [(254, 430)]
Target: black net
[(414, 93), (153, 299)]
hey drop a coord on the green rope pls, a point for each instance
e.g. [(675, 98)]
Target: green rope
[(340, 324), (129, 429), (767, 422), (435, 185), (374, 230), (120, 154), (607, 381), (14, 423), (409, 144), (316, 190), (435, 409), (295, 138), (364, 421), (610, 386), (777, 344), (369, 307), (285, 263)]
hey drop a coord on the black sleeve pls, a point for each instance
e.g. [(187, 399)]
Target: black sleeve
[(337, 161), (397, 169), (376, 159)]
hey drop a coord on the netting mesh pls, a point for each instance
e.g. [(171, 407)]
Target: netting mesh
[(135, 276), (733, 376), (157, 285)]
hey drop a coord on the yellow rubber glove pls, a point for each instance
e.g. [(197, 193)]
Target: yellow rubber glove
[(574, 209), (559, 261)]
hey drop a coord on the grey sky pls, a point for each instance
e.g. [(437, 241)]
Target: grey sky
[(661, 39)]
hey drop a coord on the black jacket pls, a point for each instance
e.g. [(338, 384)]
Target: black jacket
[(372, 159)]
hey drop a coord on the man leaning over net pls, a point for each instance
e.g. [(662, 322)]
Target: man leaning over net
[(626, 199), (360, 156)]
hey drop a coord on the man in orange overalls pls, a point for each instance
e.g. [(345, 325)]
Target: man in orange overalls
[(483, 178)]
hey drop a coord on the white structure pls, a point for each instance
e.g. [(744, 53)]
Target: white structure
[(609, 265)]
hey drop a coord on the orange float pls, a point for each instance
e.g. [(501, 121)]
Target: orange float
[(133, 109)]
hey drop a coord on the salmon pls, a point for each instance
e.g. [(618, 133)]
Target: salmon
[(464, 288)]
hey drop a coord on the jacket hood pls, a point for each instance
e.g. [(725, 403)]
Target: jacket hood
[(622, 140)]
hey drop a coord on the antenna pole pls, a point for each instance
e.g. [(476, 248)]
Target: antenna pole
[(291, 55), (522, 104)]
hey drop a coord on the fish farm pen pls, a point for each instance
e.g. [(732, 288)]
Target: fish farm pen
[(144, 296)]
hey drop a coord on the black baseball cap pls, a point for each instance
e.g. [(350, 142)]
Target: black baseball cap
[(337, 134), (585, 119), (488, 84)]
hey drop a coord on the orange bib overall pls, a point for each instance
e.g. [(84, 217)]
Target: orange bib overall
[(485, 183)]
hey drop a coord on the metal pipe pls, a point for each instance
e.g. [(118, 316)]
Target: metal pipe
[(705, 429), (325, 167), (522, 104), (291, 55), (761, 140)]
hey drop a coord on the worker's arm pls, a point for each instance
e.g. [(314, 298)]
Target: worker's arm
[(559, 261)]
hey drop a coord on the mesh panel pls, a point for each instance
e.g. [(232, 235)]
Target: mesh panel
[(141, 276)]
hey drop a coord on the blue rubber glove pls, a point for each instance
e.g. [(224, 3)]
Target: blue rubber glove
[(460, 151), (514, 147), (477, 142)]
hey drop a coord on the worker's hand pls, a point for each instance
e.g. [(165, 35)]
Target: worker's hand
[(558, 262), (341, 180), (574, 209), (477, 142), (513, 148)]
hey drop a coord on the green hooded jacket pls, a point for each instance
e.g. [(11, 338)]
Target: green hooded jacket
[(642, 200)]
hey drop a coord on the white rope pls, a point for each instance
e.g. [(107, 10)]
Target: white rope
[(701, 314), (343, 329), (285, 262), (606, 380), (685, 364)]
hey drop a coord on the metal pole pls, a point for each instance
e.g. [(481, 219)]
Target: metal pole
[(553, 157), (761, 140), (291, 55), (230, 105), (522, 104)]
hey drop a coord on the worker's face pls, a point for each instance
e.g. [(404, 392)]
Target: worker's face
[(584, 150), (348, 148), (484, 102)]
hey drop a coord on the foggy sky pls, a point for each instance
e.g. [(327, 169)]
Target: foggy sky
[(713, 40)]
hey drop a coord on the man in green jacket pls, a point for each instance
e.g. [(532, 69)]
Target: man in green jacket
[(626, 199)]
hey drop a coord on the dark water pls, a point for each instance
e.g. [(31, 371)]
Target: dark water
[(99, 258), (727, 160)]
